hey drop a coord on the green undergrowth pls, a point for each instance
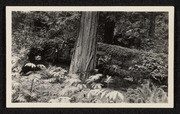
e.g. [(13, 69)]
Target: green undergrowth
[(55, 85)]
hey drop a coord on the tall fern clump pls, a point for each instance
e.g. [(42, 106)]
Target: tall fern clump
[(105, 95), (147, 93), (23, 89), (20, 93), (74, 89), (54, 74), (100, 91), (94, 90)]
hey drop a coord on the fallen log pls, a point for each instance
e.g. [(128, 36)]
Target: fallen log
[(135, 63), (122, 53)]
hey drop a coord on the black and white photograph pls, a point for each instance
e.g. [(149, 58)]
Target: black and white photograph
[(111, 56)]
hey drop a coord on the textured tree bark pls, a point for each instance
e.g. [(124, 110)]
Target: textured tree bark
[(84, 56)]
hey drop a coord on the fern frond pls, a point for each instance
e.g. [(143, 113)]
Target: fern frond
[(21, 98), (92, 93), (53, 101), (64, 99), (96, 85), (103, 92), (73, 89), (147, 94), (93, 78), (108, 79), (114, 95), (69, 91), (98, 92), (73, 81), (81, 86)]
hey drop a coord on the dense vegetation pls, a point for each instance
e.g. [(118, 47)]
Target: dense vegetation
[(131, 67)]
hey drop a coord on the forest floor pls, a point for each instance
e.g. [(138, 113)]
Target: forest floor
[(55, 85)]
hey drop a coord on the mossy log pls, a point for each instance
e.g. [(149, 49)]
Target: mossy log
[(125, 54), (135, 63)]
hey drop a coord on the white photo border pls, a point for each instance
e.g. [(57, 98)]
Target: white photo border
[(169, 9)]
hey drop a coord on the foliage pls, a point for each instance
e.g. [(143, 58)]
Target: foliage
[(134, 63), (53, 71), (32, 28), (105, 95), (120, 70), (21, 93), (37, 87), (132, 30), (156, 68), (93, 78), (147, 93)]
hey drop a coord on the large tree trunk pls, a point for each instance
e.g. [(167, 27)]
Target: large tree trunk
[(109, 30), (84, 57)]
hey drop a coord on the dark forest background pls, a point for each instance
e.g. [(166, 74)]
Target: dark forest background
[(151, 29)]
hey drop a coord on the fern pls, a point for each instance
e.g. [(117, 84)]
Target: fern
[(108, 80), (114, 96), (69, 91), (93, 78), (53, 101), (108, 94), (21, 98), (81, 86), (146, 94), (96, 85), (93, 93), (64, 99), (60, 100), (72, 81), (52, 71)]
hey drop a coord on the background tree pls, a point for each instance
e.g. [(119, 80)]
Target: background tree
[(152, 18), (83, 59), (109, 29)]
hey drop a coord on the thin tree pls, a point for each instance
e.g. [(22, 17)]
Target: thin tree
[(109, 29), (84, 57), (152, 19)]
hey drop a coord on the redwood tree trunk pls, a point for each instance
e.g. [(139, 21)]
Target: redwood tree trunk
[(84, 57)]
